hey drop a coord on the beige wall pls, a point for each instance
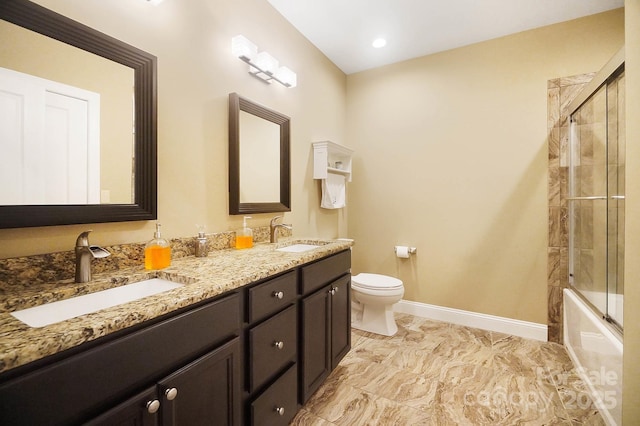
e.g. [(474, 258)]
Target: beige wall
[(196, 72), (451, 157), (631, 369)]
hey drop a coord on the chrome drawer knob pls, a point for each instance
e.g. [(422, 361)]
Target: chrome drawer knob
[(278, 294), (280, 410), (171, 393), (153, 406), (278, 345)]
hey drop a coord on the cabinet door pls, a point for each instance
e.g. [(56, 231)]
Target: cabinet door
[(340, 319), (141, 410), (204, 392), (315, 364)]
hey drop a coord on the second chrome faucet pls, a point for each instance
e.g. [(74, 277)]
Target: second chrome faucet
[(273, 228)]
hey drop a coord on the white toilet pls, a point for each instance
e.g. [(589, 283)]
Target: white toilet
[(372, 300)]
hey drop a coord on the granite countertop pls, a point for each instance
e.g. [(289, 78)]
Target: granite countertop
[(221, 271)]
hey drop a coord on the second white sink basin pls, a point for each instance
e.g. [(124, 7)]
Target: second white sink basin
[(50, 313), (298, 248)]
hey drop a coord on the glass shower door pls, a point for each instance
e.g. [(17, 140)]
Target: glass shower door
[(616, 191), (596, 199), (588, 200)]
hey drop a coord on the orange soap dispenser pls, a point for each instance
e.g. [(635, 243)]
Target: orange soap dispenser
[(244, 236), (157, 252)]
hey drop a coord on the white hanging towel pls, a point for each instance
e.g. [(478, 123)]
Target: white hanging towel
[(333, 192)]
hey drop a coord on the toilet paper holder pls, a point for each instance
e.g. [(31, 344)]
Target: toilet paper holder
[(410, 250)]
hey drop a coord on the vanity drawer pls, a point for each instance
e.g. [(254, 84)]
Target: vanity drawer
[(272, 345), (324, 271), (278, 404), (271, 296)]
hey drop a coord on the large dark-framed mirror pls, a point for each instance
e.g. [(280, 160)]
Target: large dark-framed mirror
[(143, 139), (259, 158)]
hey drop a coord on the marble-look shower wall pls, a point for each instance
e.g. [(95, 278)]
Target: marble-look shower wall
[(560, 93)]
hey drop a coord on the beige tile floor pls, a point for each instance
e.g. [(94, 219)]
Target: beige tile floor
[(435, 373)]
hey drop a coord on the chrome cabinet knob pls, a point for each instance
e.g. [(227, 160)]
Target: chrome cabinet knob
[(278, 344), (153, 406), (171, 394), (278, 294), (280, 410)]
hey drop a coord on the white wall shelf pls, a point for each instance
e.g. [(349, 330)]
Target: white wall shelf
[(329, 157)]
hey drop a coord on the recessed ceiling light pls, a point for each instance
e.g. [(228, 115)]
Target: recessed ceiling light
[(379, 42)]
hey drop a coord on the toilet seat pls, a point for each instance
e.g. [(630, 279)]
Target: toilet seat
[(375, 282)]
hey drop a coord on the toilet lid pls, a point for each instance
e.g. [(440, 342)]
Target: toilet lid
[(376, 281)]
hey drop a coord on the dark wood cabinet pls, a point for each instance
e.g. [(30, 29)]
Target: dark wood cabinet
[(204, 392), (315, 362), (340, 319), (272, 340), (140, 410), (272, 346), (326, 322), (279, 403), (84, 385), (323, 271), (250, 356), (272, 296)]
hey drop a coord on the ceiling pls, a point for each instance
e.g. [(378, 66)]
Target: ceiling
[(345, 29)]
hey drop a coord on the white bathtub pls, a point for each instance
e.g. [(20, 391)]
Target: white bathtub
[(596, 350)]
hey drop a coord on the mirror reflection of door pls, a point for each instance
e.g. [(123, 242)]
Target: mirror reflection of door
[(44, 57), (50, 142)]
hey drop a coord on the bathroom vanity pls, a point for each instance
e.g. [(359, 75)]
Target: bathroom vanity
[(252, 350)]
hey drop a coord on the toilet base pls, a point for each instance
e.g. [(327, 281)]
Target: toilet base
[(376, 319)]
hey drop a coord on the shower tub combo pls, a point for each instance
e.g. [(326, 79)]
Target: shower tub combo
[(593, 303)]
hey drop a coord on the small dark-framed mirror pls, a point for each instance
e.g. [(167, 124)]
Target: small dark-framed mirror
[(259, 158), (143, 205)]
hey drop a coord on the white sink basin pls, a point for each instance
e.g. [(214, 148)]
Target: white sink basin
[(50, 313), (298, 248)]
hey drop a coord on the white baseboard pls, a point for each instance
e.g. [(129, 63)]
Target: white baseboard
[(528, 330)]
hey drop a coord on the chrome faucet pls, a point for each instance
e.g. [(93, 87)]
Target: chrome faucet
[(273, 226), (84, 254)]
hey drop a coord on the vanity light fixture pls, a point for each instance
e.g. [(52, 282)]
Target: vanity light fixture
[(262, 65)]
